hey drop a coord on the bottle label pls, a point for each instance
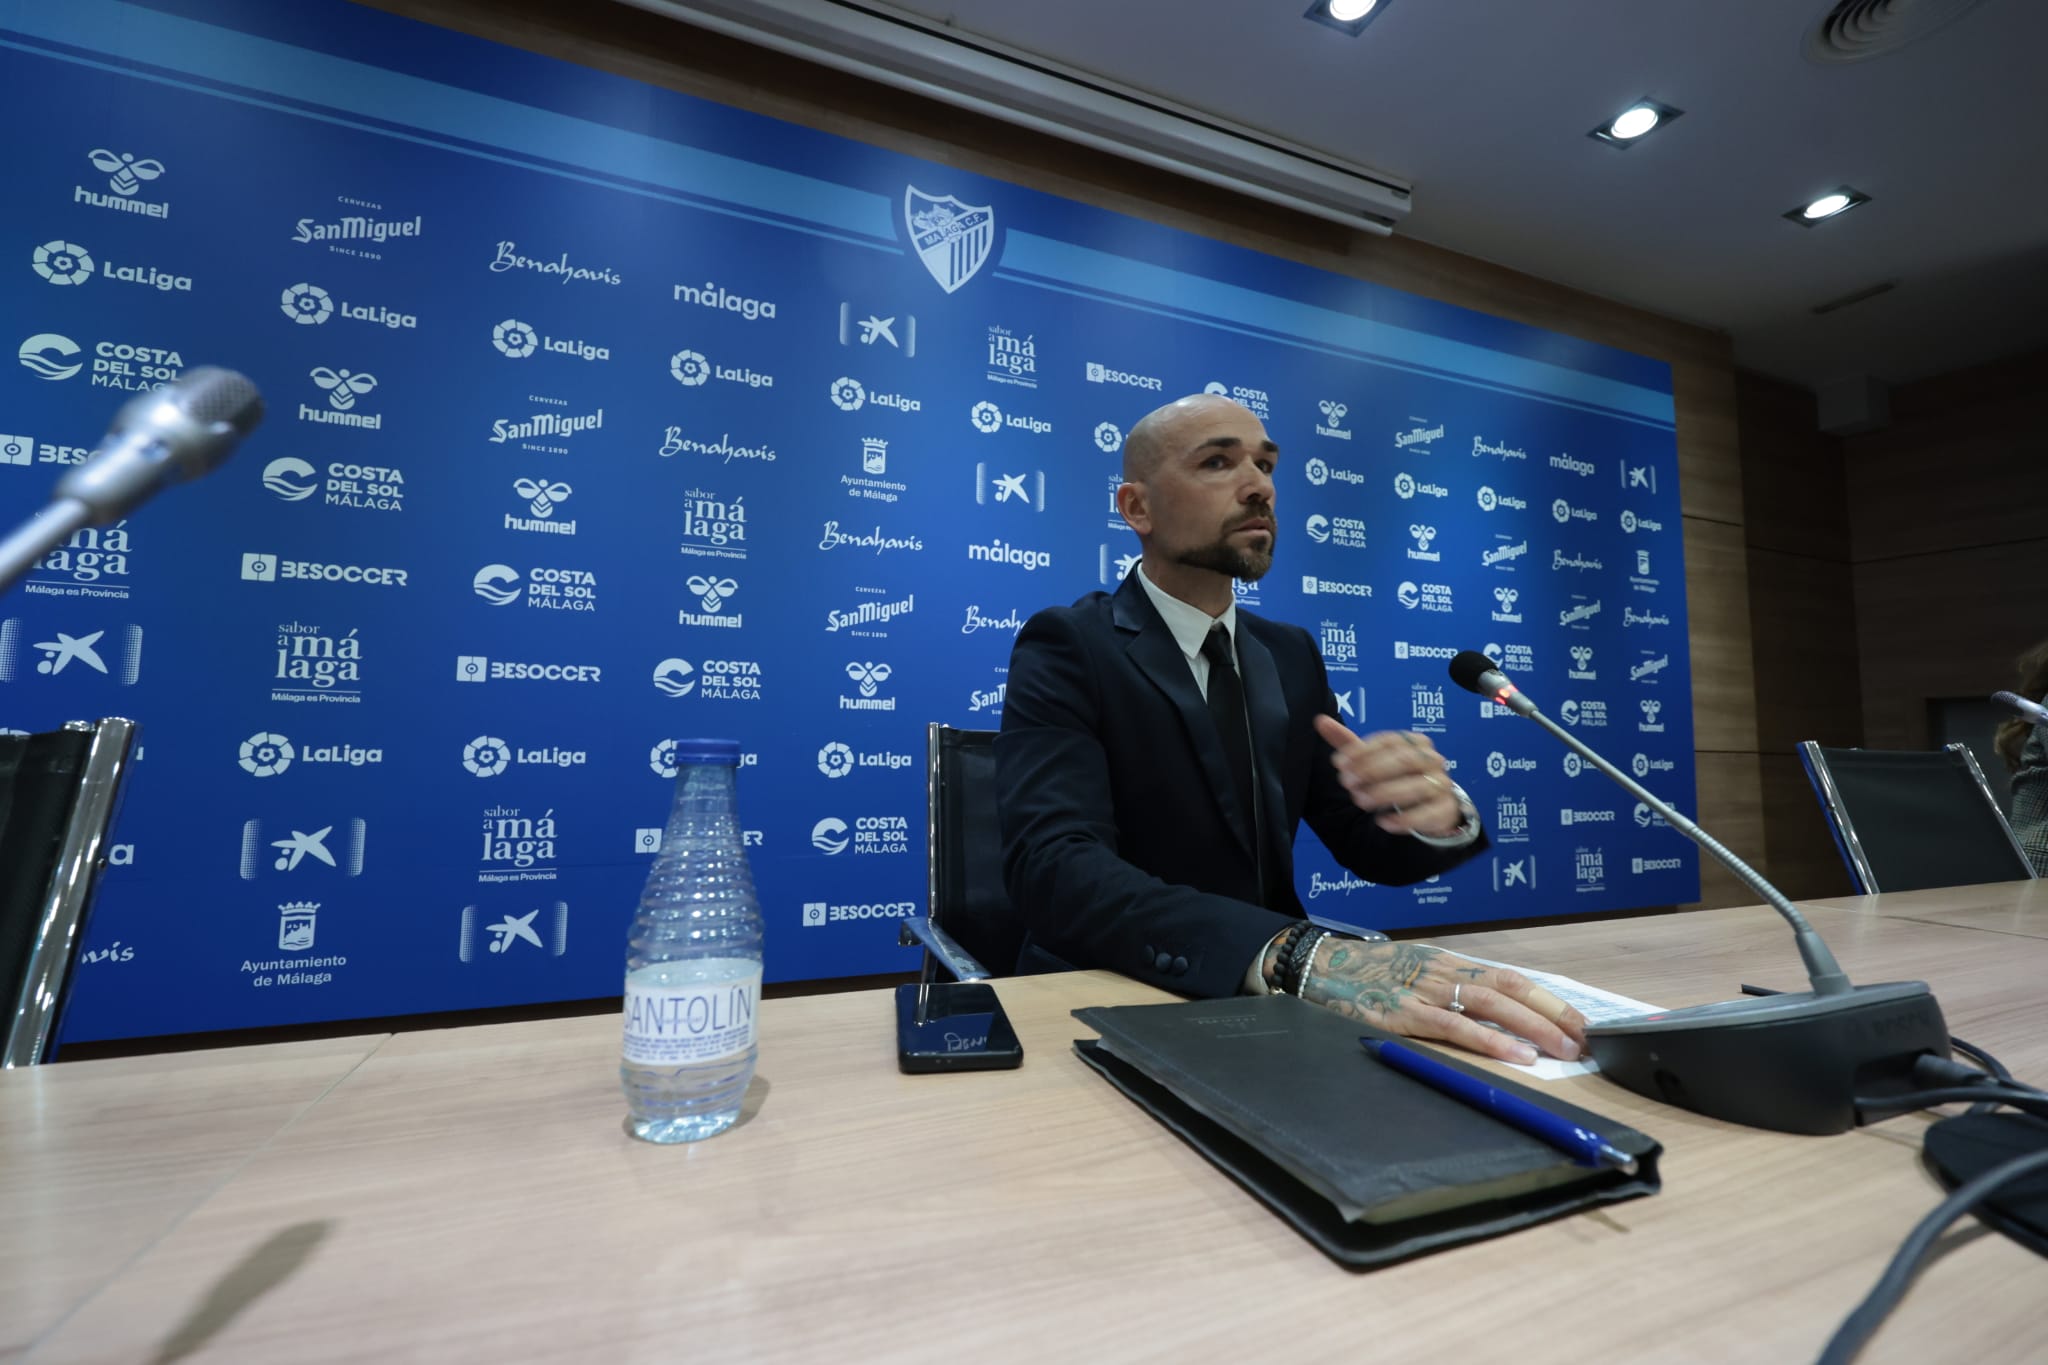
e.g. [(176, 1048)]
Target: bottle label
[(685, 1025)]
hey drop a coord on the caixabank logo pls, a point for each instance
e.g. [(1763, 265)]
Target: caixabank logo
[(110, 652), (339, 845)]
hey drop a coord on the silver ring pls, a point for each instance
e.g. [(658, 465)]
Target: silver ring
[(1456, 1006)]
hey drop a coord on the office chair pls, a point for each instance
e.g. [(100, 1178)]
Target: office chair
[(1912, 820), (58, 795), (970, 921)]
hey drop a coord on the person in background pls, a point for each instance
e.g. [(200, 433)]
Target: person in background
[(2024, 747)]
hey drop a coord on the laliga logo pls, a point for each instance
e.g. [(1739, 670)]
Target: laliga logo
[(829, 835), (835, 760), (515, 339), (307, 304), (290, 478), (342, 386), (987, 417), (1561, 509), (1496, 764), (62, 262), (1423, 534), (125, 173), (712, 592), (869, 676), (497, 584), (1573, 765), (1318, 528), (541, 497), (1404, 485), (691, 369), (1109, 438), (45, 355), (486, 756), (662, 758), (1318, 473), (266, 755), (673, 677), (847, 394)]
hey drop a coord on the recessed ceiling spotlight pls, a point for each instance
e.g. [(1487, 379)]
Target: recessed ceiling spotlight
[(1833, 204), (1629, 126), (1347, 16)]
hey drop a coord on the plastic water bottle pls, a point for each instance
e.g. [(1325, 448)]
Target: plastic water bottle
[(693, 963)]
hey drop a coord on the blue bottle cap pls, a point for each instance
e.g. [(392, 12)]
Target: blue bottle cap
[(725, 751)]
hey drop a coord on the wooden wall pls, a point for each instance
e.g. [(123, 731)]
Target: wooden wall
[(630, 42)]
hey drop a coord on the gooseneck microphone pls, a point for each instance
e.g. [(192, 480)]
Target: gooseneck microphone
[(1793, 1062), (2033, 711), (183, 430)]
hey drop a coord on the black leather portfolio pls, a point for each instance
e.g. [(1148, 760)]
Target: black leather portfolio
[(1370, 1165)]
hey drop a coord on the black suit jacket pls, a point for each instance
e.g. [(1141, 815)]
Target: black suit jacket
[(1122, 842)]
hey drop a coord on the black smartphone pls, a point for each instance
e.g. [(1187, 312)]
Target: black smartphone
[(953, 1026)]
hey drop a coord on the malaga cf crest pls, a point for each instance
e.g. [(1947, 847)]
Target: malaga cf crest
[(951, 238)]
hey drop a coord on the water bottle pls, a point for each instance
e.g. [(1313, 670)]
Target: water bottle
[(693, 962)]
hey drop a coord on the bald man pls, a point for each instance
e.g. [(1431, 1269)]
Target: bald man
[(1160, 747)]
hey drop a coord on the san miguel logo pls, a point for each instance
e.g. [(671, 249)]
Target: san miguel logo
[(951, 238)]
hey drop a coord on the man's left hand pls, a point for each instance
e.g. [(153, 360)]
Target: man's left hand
[(1397, 776)]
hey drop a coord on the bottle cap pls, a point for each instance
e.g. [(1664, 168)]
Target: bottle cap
[(723, 751)]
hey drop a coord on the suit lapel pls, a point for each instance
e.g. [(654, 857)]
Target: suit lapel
[(1157, 655), (1267, 703)]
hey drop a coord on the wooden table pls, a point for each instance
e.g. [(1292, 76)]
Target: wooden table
[(471, 1194), (2000, 908)]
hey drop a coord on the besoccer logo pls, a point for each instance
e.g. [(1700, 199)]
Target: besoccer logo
[(497, 584), (515, 339), (486, 756), (828, 836), (1109, 439), (306, 304), (266, 755), (847, 394), (62, 262), (690, 368), (987, 417), (291, 478), (47, 355), (675, 677), (342, 386), (835, 760)]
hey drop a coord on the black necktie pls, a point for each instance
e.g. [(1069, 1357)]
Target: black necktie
[(1226, 708)]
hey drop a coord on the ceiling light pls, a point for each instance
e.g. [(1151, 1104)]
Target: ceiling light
[(1629, 126), (1347, 16), (1833, 204)]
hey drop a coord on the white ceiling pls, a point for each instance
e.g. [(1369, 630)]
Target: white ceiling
[(1484, 106)]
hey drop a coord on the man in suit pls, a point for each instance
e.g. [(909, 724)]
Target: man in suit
[(1159, 748)]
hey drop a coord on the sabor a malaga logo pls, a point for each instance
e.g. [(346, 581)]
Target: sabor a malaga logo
[(1109, 438), (486, 756), (307, 304), (847, 394), (986, 416), (675, 677), (291, 478), (691, 369), (48, 355), (266, 755), (497, 584), (515, 339), (828, 836), (835, 760), (62, 263)]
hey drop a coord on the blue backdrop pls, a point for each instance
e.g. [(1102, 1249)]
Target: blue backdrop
[(600, 416)]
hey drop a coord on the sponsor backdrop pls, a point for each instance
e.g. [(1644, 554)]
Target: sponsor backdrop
[(601, 416)]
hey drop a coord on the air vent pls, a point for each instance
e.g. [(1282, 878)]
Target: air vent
[(1857, 30), (1833, 305)]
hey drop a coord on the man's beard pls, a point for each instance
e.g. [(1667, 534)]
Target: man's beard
[(1222, 557)]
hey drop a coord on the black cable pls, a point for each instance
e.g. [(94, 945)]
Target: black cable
[(2026, 1101), (1976, 1054), (1856, 1329)]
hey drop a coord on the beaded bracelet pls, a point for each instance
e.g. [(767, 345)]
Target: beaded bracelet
[(1294, 967), (1283, 946)]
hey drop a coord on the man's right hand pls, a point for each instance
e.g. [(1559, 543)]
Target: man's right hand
[(1406, 988)]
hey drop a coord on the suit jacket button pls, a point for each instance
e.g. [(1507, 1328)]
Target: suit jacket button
[(1164, 962), (1180, 966)]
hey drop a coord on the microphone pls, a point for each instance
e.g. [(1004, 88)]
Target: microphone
[(183, 430), (1790, 1062), (2033, 711)]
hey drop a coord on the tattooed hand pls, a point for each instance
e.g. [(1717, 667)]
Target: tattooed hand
[(1405, 987)]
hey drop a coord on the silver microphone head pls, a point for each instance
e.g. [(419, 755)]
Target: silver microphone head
[(2033, 711), (181, 431)]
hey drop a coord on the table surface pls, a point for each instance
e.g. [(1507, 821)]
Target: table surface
[(471, 1193)]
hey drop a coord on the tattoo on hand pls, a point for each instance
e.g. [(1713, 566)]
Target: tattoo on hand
[(1369, 982), (1473, 973)]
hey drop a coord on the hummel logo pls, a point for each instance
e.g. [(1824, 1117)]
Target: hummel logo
[(869, 676)]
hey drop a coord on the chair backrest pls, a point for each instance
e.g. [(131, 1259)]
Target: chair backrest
[(58, 795), (965, 890), (1914, 819)]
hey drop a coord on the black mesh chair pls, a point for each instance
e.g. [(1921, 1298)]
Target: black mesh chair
[(1913, 820), (58, 795), (970, 929)]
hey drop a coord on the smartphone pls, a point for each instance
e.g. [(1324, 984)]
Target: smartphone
[(953, 1026)]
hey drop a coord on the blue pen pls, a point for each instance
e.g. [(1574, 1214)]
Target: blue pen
[(1586, 1148)]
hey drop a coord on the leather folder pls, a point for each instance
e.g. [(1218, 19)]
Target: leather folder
[(1371, 1166)]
